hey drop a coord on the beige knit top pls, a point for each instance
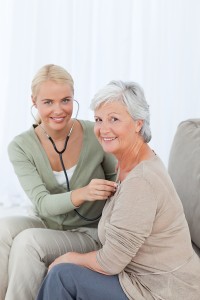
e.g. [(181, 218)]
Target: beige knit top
[(146, 239)]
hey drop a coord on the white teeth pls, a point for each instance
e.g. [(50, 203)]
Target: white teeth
[(108, 139)]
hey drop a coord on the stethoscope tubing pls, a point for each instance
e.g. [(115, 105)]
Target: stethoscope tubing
[(66, 176), (60, 153)]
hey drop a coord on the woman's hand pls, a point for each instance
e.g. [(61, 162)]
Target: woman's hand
[(87, 260), (66, 258), (97, 189)]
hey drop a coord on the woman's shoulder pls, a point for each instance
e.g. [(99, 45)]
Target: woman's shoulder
[(87, 124), (91, 144), (22, 140), (148, 169), (22, 137), (88, 129)]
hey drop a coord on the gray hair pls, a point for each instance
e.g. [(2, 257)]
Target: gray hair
[(132, 96)]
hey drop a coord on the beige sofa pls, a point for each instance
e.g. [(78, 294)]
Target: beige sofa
[(184, 169)]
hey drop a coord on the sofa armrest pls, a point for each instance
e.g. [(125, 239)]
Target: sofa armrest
[(184, 169)]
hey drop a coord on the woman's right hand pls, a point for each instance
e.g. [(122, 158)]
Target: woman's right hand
[(97, 189)]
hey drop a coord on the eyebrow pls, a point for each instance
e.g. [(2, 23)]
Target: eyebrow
[(66, 97), (111, 113)]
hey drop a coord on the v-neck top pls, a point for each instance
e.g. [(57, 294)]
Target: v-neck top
[(51, 201), (60, 176)]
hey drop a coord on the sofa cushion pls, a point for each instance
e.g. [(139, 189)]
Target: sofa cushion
[(184, 169)]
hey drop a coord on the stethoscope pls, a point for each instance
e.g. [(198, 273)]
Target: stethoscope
[(60, 153)]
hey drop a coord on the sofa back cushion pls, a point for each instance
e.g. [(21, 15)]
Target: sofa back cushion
[(184, 169)]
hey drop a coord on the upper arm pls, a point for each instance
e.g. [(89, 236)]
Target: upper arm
[(47, 204)]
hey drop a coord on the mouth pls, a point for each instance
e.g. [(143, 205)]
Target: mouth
[(106, 139), (57, 119)]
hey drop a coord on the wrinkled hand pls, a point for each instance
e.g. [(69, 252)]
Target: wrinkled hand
[(65, 258), (99, 189)]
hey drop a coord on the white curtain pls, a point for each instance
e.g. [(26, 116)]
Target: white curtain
[(153, 42)]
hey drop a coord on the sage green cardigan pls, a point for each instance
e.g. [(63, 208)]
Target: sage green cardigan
[(52, 202)]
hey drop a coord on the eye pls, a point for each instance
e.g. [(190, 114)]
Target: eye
[(66, 100), (114, 119), (48, 101), (97, 120)]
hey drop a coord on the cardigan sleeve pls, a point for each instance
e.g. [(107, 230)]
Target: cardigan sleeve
[(130, 224), (35, 188)]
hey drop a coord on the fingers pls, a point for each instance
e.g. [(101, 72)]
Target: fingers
[(103, 184), (100, 189), (101, 195), (105, 188)]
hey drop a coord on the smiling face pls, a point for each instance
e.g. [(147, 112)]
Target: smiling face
[(115, 129), (54, 102)]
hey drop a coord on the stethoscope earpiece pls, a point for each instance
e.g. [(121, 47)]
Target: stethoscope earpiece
[(32, 114), (77, 109)]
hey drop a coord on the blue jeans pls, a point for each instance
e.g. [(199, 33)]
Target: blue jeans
[(70, 282)]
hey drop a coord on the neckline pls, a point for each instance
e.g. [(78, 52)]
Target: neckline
[(81, 157), (67, 170), (140, 163)]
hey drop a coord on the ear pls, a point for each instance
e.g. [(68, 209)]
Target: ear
[(33, 100), (139, 124)]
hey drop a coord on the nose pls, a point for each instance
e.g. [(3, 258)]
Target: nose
[(57, 109), (104, 127)]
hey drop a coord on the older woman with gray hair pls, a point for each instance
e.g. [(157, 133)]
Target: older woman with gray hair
[(146, 248)]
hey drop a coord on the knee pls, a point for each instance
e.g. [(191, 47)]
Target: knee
[(10, 227), (25, 242), (7, 231), (64, 272), (57, 284), (62, 269), (67, 274)]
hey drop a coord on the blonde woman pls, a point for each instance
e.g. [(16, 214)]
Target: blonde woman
[(66, 175)]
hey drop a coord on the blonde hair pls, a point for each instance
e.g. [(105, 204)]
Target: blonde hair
[(50, 72)]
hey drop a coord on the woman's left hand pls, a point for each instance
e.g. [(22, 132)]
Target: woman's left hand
[(87, 260), (68, 257)]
